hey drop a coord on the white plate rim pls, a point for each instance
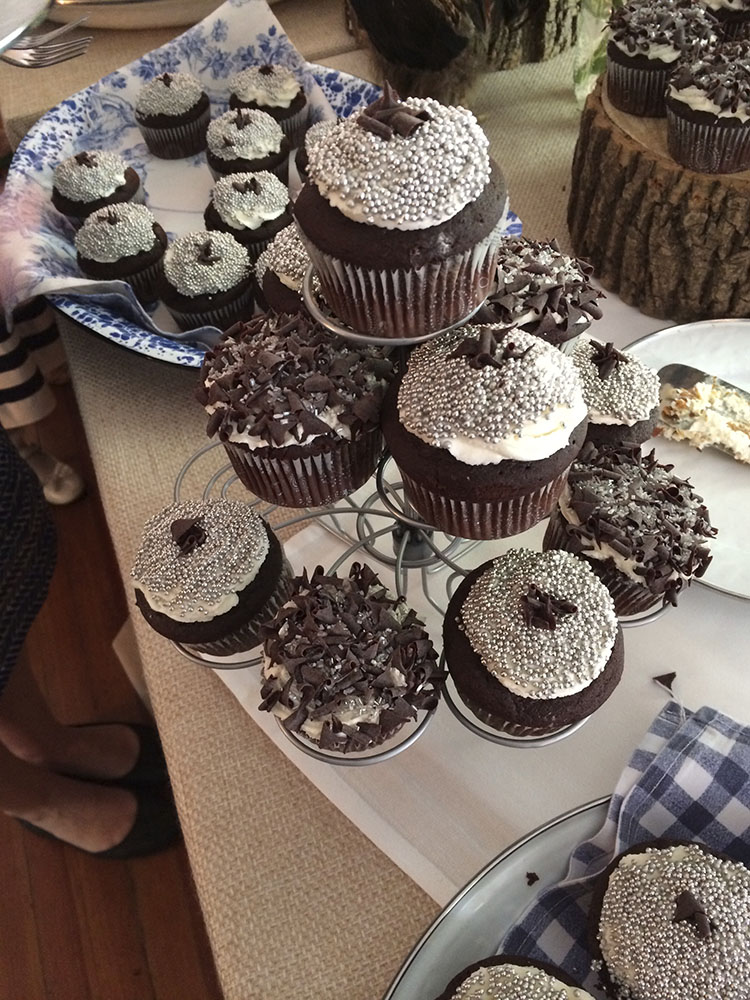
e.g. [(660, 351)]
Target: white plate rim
[(598, 808)]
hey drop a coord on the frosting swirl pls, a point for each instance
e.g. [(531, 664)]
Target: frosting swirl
[(269, 86), (247, 200)]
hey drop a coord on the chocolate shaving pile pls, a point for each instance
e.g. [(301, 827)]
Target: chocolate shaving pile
[(681, 24), (542, 610), (642, 511), (272, 376), (538, 276), (345, 644), (388, 115), (722, 74)]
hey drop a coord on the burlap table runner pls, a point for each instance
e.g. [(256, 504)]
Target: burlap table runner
[(297, 901)]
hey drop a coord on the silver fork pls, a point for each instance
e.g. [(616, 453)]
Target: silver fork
[(47, 55), (32, 41)]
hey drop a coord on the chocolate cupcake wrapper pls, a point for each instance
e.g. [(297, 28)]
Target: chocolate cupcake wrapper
[(246, 637), (630, 598), (312, 481), (411, 303), (144, 282), (222, 317), (481, 520), (708, 149), (638, 92), (294, 128), (177, 141)]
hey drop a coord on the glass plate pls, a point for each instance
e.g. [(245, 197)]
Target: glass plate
[(720, 347), (475, 921)]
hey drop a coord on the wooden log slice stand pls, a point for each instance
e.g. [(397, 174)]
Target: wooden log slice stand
[(673, 242)]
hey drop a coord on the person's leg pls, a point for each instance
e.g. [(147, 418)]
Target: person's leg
[(29, 730), (84, 814)]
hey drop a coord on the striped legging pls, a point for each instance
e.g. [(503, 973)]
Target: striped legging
[(28, 352)]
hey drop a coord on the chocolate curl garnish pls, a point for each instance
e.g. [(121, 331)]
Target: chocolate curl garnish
[(542, 610), (266, 70), (188, 534), (85, 160), (166, 79), (112, 217), (606, 359), (531, 878), (687, 907), (206, 254), (483, 351), (249, 185), (387, 115), (241, 119)]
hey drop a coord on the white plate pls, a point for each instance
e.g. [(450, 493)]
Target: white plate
[(720, 347), (475, 921)]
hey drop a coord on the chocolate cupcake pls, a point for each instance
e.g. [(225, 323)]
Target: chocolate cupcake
[(208, 573), (512, 977), (251, 207), (280, 272), (245, 141), (644, 531), (172, 112), (484, 426), (275, 90), (123, 242), (646, 43), (669, 919), (543, 291), (302, 156), (93, 179), (621, 393), (402, 215), (207, 280), (347, 664), (296, 409), (708, 111), (732, 16), (532, 642)]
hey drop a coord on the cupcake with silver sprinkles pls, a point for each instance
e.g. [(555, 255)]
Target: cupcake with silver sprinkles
[(207, 280), (644, 531), (275, 90), (208, 573), (346, 663), (297, 410), (544, 291), (532, 642), (708, 111), (123, 242), (402, 215), (251, 207), (484, 425), (172, 111), (280, 272), (647, 42), (668, 921), (512, 977), (621, 393), (245, 141), (93, 179)]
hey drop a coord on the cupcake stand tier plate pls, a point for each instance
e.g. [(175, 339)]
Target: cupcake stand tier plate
[(673, 242)]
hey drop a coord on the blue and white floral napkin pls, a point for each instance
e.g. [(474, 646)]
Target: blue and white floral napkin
[(688, 780), (37, 255)]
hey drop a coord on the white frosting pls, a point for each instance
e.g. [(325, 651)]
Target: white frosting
[(524, 410), (168, 94), (329, 415), (245, 134), (269, 86), (114, 232), (698, 100), (405, 182), (662, 53)]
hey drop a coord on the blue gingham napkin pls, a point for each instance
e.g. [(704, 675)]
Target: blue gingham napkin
[(689, 780)]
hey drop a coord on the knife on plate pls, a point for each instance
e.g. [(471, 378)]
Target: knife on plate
[(704, 410)]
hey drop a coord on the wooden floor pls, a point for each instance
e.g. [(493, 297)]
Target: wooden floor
[(72, 927)]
